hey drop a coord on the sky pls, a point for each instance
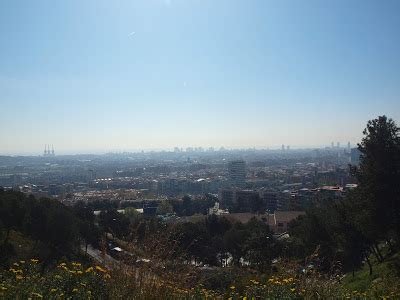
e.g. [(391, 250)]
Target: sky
[(98, 76)]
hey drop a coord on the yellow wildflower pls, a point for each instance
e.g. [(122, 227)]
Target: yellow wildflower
[(37, 295), (19, 277), (98, 268), (90, 269), (35, 261), (22, 261), (53, 290), (79, 272), (292, 289), (232, 287), (74, 290), (244, 298)]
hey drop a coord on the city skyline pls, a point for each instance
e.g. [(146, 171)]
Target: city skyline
[(50, 151), (99, 76)]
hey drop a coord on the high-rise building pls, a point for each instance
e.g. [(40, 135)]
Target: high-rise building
[(237, 173), (271, 201), (226, 197)]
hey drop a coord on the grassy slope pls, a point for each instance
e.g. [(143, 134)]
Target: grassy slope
[(384, 271), (22, 245)]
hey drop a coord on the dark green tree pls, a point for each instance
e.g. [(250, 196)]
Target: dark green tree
[(378, 175), (234, 242), (164, 208), (111, 221), (260, 247), (187, 205)]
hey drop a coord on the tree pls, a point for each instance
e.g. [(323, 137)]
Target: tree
[(187, 205), (217, 225), (87, 229), (352, 244), (62, 230), (12, 211), (233, 242), (379, 175), (113, 222), (315, 230), (164, 208), (259, 246), (132, 214)]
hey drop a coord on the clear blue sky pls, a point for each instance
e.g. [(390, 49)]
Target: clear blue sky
[(92, 75)]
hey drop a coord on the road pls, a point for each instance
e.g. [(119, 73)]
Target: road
[(104, 259)]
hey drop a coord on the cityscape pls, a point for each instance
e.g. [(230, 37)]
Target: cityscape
[(274, 180), (239, 181), (189, 150)]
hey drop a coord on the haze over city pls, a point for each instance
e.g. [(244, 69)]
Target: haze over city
[(99, 76), (199, 149)]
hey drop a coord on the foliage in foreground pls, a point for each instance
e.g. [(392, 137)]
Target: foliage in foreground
[(26, 279)]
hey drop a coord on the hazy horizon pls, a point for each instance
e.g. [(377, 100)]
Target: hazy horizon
[(100, 76), (182, 150)]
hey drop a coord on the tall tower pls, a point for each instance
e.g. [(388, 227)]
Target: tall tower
[(52, 150), (237, 173)]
